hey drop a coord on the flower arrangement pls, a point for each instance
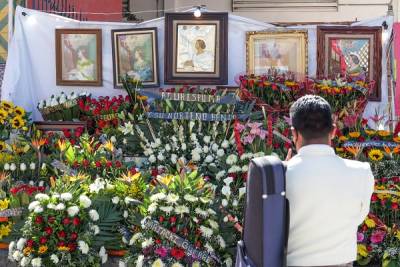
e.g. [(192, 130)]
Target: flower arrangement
[(182, 205), (61, 107), (58, 231), (12, 118)]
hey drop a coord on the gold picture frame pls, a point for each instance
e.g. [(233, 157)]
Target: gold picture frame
[(283, 51)]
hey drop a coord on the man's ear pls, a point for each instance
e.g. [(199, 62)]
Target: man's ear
[(295, 134)]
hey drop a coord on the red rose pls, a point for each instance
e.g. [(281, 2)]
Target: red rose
[(274, 87), (133, 171), (61, 234), (41, 188), (14, 190), (374, 198), (66, 221), (77, 133), (395, 206), (177, 253), (72, 246), (173, 229), (67, 133), (158, 241), (154, 172), (51, 219), (74, 236), (30, 243), (108, 164), (43, 240), (369, 248), (85, 163), (61, 244), (48, 230), (161, 219), (98, 164), (118, 164), (172, 219), (76, 221), (197, 244), (73, 142), (39, 220)]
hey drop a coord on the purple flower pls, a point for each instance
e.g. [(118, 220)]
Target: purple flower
[(239, 127), (360, 237), (161, 251), (248, 139), (377, 237)]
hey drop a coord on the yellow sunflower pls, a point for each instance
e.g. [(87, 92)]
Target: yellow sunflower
[(370, 132), (375, 155), (2, 145), (19, 111), (6, 105), (354, 134), (383, 133), (17, 122), (3, 114)]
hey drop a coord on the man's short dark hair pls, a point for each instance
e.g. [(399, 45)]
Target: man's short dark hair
[(311, 115)]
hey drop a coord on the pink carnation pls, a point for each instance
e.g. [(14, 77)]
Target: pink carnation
[(360, 237), (377, 237), (161, 251)]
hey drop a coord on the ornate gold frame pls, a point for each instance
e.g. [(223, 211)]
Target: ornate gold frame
[(301, 34)]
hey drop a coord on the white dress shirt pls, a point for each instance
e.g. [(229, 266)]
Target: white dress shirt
[(329, 197)]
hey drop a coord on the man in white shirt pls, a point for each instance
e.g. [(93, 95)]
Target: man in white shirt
[(329, 196)]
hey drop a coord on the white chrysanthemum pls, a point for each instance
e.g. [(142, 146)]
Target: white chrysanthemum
[(33, 205), (196, 157), (207, 139), (181, 209), (60, 206), (42, 197), (95, 229), (17, 255), (103, 255), (174, 158), (54, 258), (83, 247), (205, 231), (139, 261), (235, 203), (245, 168), (36, 262), (206, 149), (167, 209), (167, 147), (25, 261), (209, 159), (51, 206), (213, 224), (22, 167), (202, 213), (208, 247), (190, 198), (72, 211), (6, 166), (157, 197), (152, 159), (94, 216), (231, 159), (115, 200), (85, 201), (135, 238), (193, 137), (215, 147), (234, 169), (152, 207), (172, 198), (220, 152), (211, 212), (66, 196), (220, 174), (147, 243), (158, 263), (183, 146), (160, 157), (38, 209), (225, 144), (97, 185)]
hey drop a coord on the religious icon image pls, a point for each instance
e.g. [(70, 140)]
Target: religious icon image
[(135, 55), (78, 57), (196, 48)]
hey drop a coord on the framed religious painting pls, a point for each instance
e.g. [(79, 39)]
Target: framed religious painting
[(135, 54), (280, 51), (196, 49), (78, 57), (353, 52)]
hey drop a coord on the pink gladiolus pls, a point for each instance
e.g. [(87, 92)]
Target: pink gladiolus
[(248, 139), (161, 251), (239, 127), (377, 237), (263, 134)]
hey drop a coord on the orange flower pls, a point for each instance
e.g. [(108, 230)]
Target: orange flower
[(396, 150), (37, 143), (355, 150), (354, 134), (387, 149), (396, 139), (343, 138)]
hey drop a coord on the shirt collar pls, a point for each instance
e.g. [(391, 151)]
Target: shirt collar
[(318, 149)]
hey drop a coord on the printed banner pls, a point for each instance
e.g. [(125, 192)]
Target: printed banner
[(11, 212), (180, 242), (195, 116), (370, 144), (204, 98)]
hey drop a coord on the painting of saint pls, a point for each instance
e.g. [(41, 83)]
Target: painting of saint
[(350, 57), (78, 57), (134, 53), (196, 48)]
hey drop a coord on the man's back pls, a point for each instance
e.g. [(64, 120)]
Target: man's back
[(329, 197)]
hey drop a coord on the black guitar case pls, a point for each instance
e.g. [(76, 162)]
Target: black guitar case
[(266, 220)]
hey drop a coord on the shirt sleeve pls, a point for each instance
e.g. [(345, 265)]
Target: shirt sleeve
[(369, 189)]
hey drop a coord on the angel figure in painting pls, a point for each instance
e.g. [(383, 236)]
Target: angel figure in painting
[(202, 59)]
